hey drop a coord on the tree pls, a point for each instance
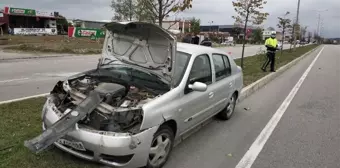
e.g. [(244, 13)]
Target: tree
[(309, 36), (142, 14), (124, 9), (249, 11), (161, 9), (303, 32), (62, 24), (295, 33), (271, 29), (284, 24), (195, 25), (257, 35), (237, 30)]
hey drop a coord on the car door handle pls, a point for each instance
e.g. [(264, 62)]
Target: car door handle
[(230, 84), (211, 95)]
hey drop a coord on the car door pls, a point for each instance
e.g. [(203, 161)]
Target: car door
[(195, 105), (224, 82)]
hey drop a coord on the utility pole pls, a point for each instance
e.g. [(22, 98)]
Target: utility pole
[(296, 23), (319, 20)]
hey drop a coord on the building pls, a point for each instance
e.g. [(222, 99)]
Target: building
[(21, 21), (182, 25), (267, 33), (229, 29), (89, 23)]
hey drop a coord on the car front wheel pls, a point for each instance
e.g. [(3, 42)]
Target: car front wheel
[(161, 147), (228, 111)]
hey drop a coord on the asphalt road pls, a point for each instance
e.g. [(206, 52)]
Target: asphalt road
[(306, 136), (26, 77)]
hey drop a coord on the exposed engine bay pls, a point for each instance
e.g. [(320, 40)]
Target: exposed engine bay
[(120, 107)]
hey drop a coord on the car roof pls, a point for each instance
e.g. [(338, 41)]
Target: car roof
[(195, 49)]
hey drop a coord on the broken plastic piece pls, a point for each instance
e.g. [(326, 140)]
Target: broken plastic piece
[(65, 124)]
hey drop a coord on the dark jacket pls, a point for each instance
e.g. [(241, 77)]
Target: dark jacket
[(187, 39), (195, 40)]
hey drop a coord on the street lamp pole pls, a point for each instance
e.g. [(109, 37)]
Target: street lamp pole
[(210, 25)]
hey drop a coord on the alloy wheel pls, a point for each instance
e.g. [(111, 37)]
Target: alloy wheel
[(159, 150)]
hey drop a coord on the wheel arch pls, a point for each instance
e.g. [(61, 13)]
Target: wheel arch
[(172, 124)]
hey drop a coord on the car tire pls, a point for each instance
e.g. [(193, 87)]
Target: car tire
[(161, 147), (229, 110)]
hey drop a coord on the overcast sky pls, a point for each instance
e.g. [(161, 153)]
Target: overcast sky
[(218, 11)]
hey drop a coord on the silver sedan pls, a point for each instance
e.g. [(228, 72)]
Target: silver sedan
[(147, 92)]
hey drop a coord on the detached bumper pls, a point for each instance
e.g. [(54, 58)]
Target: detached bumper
[(113, 149)]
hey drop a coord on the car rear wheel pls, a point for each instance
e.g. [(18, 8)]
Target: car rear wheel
[(161, 147), (228, 111)]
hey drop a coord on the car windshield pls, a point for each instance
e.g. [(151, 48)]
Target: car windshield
[(181, 64)]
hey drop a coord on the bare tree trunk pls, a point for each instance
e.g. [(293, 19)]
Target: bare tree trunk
[(160, 12), (282, 40), (293, 34), (244, 37)]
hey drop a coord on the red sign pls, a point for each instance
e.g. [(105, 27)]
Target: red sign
[(6, 9)]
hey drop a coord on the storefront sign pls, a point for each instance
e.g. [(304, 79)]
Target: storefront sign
[(35, 31), (22, 11), (44, 14), (84, 32)]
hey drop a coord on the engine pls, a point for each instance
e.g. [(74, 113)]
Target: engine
[(120, 110)]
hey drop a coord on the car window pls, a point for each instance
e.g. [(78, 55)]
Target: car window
[(222, 66), (227, 65), (220, 69), (201, 70), (181, 63)]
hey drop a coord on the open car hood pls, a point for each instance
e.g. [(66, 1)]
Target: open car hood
[(143, 44)]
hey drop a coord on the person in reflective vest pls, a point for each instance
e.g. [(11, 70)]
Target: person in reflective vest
[(272, 46)]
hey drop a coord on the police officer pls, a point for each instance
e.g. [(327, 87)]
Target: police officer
[(271, 44)]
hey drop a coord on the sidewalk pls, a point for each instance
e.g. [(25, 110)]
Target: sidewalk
[(21, 55)]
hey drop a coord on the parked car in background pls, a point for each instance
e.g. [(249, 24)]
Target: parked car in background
[(146, 92), (206, 42)]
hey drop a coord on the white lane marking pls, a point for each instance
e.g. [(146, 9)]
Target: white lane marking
[(255, 149), (23, 98), (12, 80)]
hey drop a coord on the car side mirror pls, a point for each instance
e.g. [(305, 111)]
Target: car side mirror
[(198, 86)]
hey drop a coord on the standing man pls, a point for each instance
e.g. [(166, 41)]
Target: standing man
[(195, 39), (271, 44)]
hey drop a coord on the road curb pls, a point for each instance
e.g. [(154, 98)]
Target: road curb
[(24, 98), (247, 91), (250, 89)]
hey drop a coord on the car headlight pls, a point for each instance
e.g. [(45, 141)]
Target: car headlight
[(66, 86)]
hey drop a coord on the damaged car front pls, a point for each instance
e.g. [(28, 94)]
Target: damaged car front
[(104, 114)]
